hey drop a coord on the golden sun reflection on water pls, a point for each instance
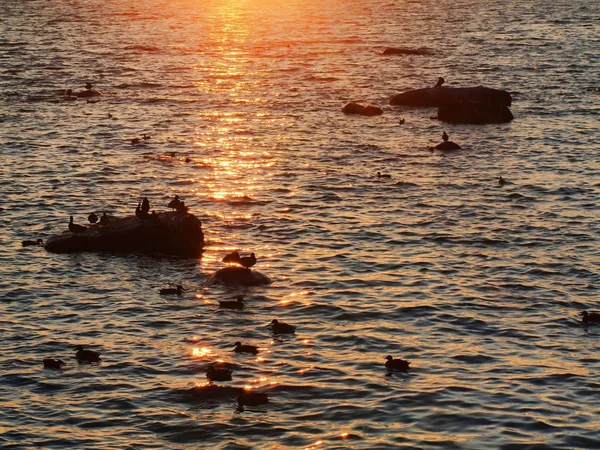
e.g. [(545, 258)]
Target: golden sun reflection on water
[(203, 352)]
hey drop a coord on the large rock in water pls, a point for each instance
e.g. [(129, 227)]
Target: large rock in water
[(233, 275), (405, 51), (356, 108), (474, 113), (436, 97), (173, 233)]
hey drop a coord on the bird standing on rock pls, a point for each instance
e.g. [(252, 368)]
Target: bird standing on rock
[(104, 219), (173, 204), (93, 218), (439, 83), (74, 228), (248, 261), (233, 257), (86, 355), (145, 205), (396, 364), (172, 291), (445, 137)]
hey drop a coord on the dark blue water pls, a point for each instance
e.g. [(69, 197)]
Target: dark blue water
[(480, 287)]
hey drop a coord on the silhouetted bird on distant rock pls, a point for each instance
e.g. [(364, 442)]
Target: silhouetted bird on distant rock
[(50, 363), (590, 317), (233, 257), (439, 83), (139, 213), (172, 291), (93, 218), (104, 219), (86, 355), (74, 228), (501, 181), (278, 327), (181, 208), (218, 374), (175, 202), (232, 304), (396, 364), (145, 205), (31, 243), (445, 137), (248, 261), (154, 217)]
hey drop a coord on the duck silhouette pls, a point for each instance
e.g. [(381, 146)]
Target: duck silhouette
[(86, 355), (29, 243), (278, 327), (50, 363), (251, 398), (135, 141), (218, 374), (590, 317), (233, 257), (173, 291), (239, 348), (248, 261), (146, 137), (396, 364), (145, 205), (383, 175), (173, 204), (104, 219), (139, 213), (445, 137), (439, 83), (232, 304), (93, 218), (74, 228), (501, 181), (402, 122)]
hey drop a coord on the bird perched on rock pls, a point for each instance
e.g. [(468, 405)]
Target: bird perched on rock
[(248, 261), (233, 257), (175, 202), (239, 348), (50, 363), (218, 374), (172, 291), (232, 304), (154, 217), (181, 208), (383, 175), (251, 398), (439, 83), (93, 218), (86, 355), (501, 181), (104, 219), (396, 364), (30, 243), (590, 317), (139, 213), (145, 205), (278, 327), (445, 137), (74, 228)]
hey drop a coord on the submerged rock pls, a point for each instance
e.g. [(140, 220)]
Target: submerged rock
[(474, 113), (405, 51), (170, 233), (239, 275), (446, 145), (356, 108), (437, 97)]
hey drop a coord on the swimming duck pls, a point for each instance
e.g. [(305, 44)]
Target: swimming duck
[(239, 348), (590, 317), (439, 83), (146, 137), (233, 257), (232, 304), (173, 204), (402, 122), (30, 243), (278, 327), (88, 86), (173, 291), (50, 363), (86, 355), (74, 228), (93, 218), (188, 159), (251, 398), (145, 205), (218, 374), (396, 364), (248, 261), (135, 141), (445, 137), (501, 181), (104, 219), (383, 175)]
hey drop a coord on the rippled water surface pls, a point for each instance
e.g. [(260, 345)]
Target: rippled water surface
[(480, 287)]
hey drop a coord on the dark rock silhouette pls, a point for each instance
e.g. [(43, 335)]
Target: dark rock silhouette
[(235, 275), (436, 97), (476, 113), (446, 145), (355, 108), (404, 51), (173, 234)]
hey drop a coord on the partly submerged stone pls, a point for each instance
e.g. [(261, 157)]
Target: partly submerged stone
[(233, 275), (171, 233), (436, 97), (446, 145), (405, 51), (356, 108), (474, 113)]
